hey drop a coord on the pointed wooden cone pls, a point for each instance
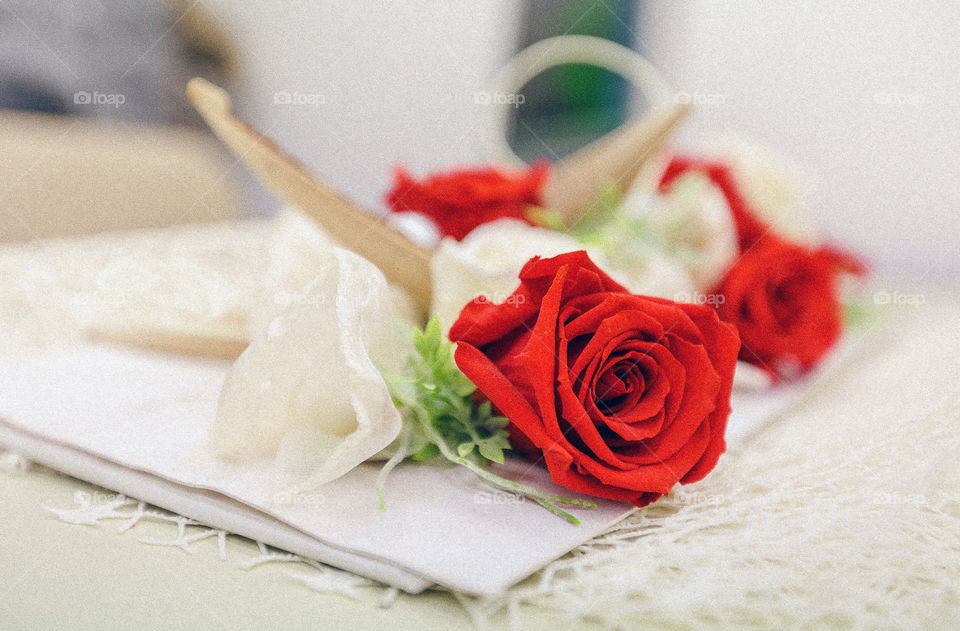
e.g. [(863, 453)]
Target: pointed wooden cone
[(615, 158), (401, 261)]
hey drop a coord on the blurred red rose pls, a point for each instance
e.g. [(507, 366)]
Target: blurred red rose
[(460, 201), (782, 296), (621, 395)]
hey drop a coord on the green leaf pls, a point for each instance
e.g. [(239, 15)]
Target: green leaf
[(419, 342), (440, 413), (599, 213), (433, 334), (427, 452), (546, 218), (491, 452), (464, 388), (498, 422)]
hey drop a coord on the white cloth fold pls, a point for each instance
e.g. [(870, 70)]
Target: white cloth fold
[(137, 423)]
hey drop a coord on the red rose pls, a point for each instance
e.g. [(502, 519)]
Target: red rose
[(622, 395), (460, 201), (783, 297)]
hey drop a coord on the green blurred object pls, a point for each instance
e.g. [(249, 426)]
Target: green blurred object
[(566, 107)]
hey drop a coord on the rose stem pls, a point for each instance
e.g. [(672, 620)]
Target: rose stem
[(388, 466), (541, 497)]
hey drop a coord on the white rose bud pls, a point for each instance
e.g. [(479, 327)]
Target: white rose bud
[(308, 391)]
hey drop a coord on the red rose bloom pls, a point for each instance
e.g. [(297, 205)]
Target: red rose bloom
[(782, 296), (622, 395), (460, 201)]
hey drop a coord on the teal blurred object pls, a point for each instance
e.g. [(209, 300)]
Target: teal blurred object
[(566, 107)]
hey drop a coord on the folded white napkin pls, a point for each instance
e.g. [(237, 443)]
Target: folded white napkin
[(137, 423)]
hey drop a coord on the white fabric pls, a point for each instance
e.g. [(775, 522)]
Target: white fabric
[(205, 507), (137, 423), (150, 415)]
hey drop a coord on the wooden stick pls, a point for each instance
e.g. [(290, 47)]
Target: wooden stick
[(615, 158), (573, 185), (401, 261)]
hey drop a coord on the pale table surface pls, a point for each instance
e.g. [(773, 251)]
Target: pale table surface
[(56, 575)]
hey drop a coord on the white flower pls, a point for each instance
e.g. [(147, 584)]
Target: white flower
[(487, 262), (769, 186), (653, 275), (308, 392), (298, 250), (693, 225)]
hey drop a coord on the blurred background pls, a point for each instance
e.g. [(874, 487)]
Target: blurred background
[(95, 132)]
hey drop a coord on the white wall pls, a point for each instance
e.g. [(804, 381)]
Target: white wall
[(863, 97), (397, 81)]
